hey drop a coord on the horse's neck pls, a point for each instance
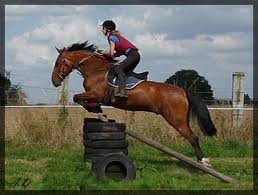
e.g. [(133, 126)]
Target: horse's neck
[(94, 66), (97, 81)]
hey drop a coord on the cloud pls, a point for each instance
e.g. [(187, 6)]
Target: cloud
[(37, 46), (27, 53), (44, 10), (214, 40), (157, 45)]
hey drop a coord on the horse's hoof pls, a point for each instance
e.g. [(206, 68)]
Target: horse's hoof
[(102, 118), (206, 162)]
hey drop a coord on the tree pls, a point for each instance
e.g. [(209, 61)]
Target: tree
[(11, 94), (247, 99), (190, 78)]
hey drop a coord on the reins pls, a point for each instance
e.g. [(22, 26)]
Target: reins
[(86, 58)]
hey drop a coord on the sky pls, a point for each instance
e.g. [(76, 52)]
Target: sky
[(214, 40)]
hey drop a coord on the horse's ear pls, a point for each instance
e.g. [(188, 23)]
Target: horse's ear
[(58, 50)]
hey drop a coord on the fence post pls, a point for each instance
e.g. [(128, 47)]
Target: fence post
[(237, 98)]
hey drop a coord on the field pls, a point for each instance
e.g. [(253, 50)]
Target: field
[(41, 155)]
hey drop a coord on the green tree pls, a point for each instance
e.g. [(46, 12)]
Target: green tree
[(191, 79), (11, 94), (247, 99)]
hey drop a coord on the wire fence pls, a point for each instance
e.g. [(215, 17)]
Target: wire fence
[(35, 95)]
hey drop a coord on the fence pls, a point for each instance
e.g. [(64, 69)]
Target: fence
[(35, 95)]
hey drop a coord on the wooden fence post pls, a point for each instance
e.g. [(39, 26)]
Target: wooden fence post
[(237, 98)]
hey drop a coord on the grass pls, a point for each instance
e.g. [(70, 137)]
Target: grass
[(64, 168), (40, 126), (42, 156)]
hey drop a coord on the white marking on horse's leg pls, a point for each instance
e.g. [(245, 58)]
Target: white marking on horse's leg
[(206, 162), (102, 117)]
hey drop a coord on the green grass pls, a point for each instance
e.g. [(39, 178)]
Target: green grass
[(64, 169)]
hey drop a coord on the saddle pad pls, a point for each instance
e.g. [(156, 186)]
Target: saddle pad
[(131, 82)]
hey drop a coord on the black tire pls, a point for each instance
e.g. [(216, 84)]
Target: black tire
[(111, 169), (127, 167), (106, 135), (84, 135), (104, 127), (94, 151), (93, 157), (86, 141), (108, 144), (87, 156), (86, 120)]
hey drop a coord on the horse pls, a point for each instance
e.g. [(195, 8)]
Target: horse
[(173, 103)]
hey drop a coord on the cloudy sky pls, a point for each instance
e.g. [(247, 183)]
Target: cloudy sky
[(213, 40)]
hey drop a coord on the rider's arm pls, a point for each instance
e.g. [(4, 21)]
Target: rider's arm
[(111, 52), (112, 48)]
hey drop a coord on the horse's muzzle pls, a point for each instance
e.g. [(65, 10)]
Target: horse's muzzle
[(56, 81), (56, 84)]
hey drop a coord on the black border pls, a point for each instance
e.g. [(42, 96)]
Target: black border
[(143, 2), (255, 97), (2, 91), (129, 2)]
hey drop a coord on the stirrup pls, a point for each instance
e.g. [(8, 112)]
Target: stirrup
[(120, 95)]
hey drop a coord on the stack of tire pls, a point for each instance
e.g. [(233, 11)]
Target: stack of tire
[(107, 148)]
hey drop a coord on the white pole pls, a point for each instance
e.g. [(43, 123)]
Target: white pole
[(238, 98)]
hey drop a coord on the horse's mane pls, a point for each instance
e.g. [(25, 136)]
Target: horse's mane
[(86, 47), (82, 46)]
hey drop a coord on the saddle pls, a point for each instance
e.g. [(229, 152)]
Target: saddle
[(132, 80)]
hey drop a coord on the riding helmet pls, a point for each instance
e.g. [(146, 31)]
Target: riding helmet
[(109, 25)]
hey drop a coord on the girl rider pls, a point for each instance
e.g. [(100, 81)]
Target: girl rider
[(120, 46)]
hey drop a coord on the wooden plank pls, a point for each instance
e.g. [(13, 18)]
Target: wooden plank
[(180, 156)]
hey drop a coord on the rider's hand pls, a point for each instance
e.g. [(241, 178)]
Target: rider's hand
[(106, 53), (99, 51)]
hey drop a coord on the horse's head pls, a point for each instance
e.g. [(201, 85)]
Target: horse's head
[(78, 54), (63, 67)]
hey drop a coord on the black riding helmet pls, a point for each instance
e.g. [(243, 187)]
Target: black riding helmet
[(109, 25)]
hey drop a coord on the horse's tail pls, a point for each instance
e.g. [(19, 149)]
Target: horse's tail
[(202, 113)]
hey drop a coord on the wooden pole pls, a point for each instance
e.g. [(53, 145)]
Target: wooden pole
[(180, 157)]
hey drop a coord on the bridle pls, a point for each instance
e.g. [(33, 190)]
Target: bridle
[(62, 73)]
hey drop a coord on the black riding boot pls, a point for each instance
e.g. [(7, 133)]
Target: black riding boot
[(121, 78), (121, 94)]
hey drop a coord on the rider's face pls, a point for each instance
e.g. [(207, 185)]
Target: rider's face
[(105, 31)]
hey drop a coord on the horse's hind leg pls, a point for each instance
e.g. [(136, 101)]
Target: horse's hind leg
[(181, 124), (186, 131)]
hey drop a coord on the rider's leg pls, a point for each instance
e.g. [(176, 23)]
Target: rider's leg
[(111, 72), (125, 66), (121, 78)]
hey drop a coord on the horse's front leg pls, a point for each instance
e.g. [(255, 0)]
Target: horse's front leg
[(89, 101)]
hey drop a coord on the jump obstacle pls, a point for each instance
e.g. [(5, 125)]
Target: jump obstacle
[(115, 160)]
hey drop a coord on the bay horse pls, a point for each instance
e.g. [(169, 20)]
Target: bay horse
[(168, 100)]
